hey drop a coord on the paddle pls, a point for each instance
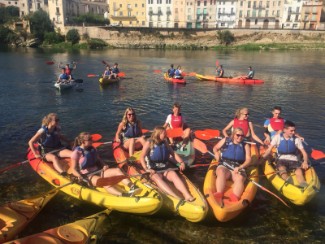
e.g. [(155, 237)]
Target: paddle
[(78, 80), (95, 137), (120, 74), (199, 145), (49, 62), (217, 63), (188, 74), (175, 132), (315, 154)]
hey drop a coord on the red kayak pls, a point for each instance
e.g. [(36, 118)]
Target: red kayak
[(232, 80), (174, 80)]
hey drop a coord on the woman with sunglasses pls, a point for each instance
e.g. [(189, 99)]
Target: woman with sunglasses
[(157, 155), (241, 121), (233, 156), (85, 160), (129, 132), (47, 139)]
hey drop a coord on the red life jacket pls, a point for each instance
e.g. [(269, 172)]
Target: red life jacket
[(68, 71), (176, 121), (277, 123), (243, 124)]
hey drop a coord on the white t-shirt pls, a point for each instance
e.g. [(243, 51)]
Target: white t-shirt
[(169, 120), (276, 142)]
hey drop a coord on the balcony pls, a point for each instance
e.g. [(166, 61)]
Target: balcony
[(259, 7), (123, 17), (159, 13)]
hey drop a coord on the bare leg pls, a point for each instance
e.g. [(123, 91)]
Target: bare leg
[(56, 162), (300, 177), (238, 184), (179, 184), (222, 175), (158, 178), (283, 172)]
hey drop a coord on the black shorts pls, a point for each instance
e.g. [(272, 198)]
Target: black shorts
[(289, 164)]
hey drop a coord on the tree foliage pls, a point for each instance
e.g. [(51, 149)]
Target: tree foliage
[(53, 38), (225, 37), (8, 13), (7, 36), (40, 23), (73, 36)]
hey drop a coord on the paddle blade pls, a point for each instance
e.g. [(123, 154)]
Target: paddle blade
[(104, 62), (121, 74), (200, 146), (211, 132), (157, 71), (92, 75), (207, 134), (316, 154), (144, 131), (97, 144), (96, 137), (49, 62), (177, 132), (217, 62), (109, 181), (192, 74)]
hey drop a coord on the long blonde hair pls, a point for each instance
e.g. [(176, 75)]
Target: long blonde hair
[(239, 112), (81, 138), (125, 118), (155, 136), (48, 118)]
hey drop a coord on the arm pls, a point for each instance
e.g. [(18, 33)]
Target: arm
[(74, 165), (34, 140), (167, 122), (217, 147), (304, 164), (178, 159), (144, 153), (254, 136), (224, 131), (118, 132)]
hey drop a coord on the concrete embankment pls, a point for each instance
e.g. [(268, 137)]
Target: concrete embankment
[(125, 37)]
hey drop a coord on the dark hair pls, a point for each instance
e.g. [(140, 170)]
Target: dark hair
[(177, 105), (250, 67), (289, 123), (277, 108), (116, 64), (172, 65)]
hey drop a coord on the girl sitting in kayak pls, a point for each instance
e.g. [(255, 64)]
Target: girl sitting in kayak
[(85, 160), (241, 120), (63, 77), (107, 72), (233, 156), (48, 138), (158, 155), (129, 132), (178, 73)]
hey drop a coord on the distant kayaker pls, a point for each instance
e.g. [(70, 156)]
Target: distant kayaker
[(178, 73), (233, 156), (158, 155), (115, 71), (287, 145), (47, 139), (129, 132), (86, 160), (63, 77), (250, 74), (171, 71), (220, 71), (176, 120), (241, 120), (107, 72), (67, 68)]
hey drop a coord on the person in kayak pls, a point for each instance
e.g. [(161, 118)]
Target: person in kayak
[(85, 160), (275, 125), (67, 68), (288, 145), (47, 139), (241, 120), (129, 132), (63, 77), (250, 74), (171, 71), (178, 73), (220, 71), (115, 71), (176, 120), (157, 155), (233, 156), (107, 72)]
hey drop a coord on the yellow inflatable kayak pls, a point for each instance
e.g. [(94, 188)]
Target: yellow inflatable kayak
[(14, 216), (292, 192), (145, 202), (81, 231), (229, 210), (192, 211)]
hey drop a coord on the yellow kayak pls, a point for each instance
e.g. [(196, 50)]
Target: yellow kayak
[(81, 231), (230, 210), (292, 192), (145, 202), (192, 211), (14, 216), (106, 81)]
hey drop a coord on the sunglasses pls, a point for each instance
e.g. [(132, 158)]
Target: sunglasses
[(56, 120), (131, 114), (239, 135), (246, 114)]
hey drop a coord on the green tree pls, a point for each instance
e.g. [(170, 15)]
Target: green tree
[(225, 37), (8, 13), (53, 37), (73, 36), (7, 36), (40, 23)]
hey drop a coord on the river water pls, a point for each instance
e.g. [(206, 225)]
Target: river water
[(293, 80)]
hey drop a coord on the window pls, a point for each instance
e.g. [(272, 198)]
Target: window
[(249, 4), (240, 13), (256, 21), (248, 13)]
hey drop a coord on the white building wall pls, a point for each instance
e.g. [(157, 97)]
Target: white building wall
[(226, 14), (160, 13)]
